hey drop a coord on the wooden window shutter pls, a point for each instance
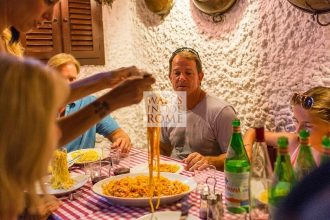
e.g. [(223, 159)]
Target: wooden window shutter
[(77, 28), (45, 41), (83, 30)]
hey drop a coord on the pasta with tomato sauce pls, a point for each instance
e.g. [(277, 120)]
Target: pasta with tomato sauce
[(138, 187)]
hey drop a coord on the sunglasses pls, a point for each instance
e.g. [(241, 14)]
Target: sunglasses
[(187, 49), (305, 101)]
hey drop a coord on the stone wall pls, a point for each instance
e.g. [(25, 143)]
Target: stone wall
[(255, 59)]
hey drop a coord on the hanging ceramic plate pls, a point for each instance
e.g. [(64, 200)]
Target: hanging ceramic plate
[(160, 7), (213, 7), (312, 6)]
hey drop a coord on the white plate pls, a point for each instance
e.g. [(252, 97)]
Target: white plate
[(79, 181), (144, 202), (166, 215), (143, 167), (98, 151)]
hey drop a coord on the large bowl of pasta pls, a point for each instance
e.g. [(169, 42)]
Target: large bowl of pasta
[(133, 189)]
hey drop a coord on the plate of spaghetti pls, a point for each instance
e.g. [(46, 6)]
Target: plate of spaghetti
[(83, 156), (164, 166), (133, 189), (78, 181), (61, 181)]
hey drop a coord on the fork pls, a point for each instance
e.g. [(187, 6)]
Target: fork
[(73, 160)]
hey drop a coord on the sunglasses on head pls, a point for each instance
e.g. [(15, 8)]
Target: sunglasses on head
[(305, 101), (186, 49)]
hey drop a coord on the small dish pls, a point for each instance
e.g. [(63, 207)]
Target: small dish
[(74, 154), (143, 167)]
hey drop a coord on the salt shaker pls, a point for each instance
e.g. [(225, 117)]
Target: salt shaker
[(203, 203), (215, 207)]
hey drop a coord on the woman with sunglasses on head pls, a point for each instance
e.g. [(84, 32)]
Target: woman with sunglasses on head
[(311, 111)]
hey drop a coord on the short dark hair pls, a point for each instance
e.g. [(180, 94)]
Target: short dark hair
[(188, 53)]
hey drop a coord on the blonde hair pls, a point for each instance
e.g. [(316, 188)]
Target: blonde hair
[(13, 48), (57, 61), (321, 105), (30, 96)]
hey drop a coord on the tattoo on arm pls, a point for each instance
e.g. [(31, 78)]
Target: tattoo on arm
[(101, 108)]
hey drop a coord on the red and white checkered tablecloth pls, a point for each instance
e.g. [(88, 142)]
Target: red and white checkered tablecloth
[(88, 205)]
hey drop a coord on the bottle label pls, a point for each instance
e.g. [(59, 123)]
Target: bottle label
[(237, 189)]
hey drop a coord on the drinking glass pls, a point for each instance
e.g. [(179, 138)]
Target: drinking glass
[(120, 162), (97, 170)]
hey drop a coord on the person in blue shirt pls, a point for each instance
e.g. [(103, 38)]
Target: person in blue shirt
[(69, 68)]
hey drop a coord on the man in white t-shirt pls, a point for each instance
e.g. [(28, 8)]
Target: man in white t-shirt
[(206, 137)]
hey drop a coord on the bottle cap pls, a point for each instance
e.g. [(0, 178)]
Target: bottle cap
[(236, 122), (260, 134), (326, 141), (283, 142), (303, 134)]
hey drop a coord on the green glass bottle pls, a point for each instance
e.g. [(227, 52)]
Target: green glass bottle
[(325, 157), (283, 178), (305, 161), (260, 177), (237, 171)]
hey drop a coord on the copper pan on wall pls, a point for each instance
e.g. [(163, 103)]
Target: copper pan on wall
[(314, 7), (160, 7), (214, 8)]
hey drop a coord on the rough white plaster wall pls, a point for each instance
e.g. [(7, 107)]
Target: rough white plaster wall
[(255, 59)]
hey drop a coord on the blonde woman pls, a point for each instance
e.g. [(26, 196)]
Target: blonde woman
[(12, 47), (311, 110), (127, 83), (30, 96)]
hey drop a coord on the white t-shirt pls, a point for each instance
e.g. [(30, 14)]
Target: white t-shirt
[(208, 131)]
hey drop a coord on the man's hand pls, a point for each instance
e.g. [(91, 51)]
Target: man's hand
[(195, 161), (123, 144)]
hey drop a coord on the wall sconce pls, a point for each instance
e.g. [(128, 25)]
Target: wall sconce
[(215, 8), (315, 7)]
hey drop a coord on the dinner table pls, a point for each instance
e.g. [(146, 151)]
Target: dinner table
[(85, 204)]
